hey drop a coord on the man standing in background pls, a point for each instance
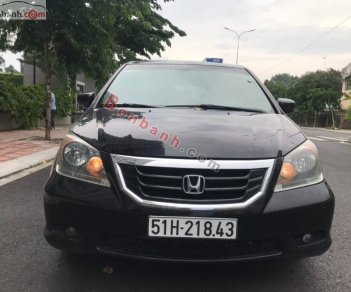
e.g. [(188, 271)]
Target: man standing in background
[(53, 109)]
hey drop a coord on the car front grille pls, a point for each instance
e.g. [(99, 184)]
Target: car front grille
[(161, 182), (190, 249), (166, 183)]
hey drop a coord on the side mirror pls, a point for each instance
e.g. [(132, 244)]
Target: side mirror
[(287, 105), (85, 99)]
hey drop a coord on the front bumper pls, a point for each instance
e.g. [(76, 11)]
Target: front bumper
[(110, 224)]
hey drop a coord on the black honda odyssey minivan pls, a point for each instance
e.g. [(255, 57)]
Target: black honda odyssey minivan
[(187, 161)]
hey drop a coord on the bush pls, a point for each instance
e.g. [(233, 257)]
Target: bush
[(25, 104), (14, 79), (64, 102), (22, 103), (30, 109)]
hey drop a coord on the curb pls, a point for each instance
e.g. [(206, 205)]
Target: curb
[(11, 167)]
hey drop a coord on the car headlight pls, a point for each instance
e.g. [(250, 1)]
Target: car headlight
[(77, 159), (301, 167)]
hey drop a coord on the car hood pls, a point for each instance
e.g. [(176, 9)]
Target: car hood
[(188, 132)]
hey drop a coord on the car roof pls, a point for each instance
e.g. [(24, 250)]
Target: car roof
[(197, 63)]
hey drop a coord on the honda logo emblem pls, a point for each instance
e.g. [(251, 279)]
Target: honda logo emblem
[(193, 184)]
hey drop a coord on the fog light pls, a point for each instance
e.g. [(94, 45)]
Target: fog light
[(70, 231), (307, 238), (95, 166), (288, 170)]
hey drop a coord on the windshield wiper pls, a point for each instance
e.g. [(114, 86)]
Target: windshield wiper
[(233, 108), (220, 107), (135, 105)]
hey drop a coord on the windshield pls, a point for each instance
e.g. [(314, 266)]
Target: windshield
[(171, 85)]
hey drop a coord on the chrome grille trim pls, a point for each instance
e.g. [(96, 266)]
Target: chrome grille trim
[(227, 188), (158, 175), (191, 163), (230, 178), (159, 186)]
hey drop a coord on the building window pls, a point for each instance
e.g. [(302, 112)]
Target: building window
[(80, 88)]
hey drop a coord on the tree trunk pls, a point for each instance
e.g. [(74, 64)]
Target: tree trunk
[(47, 72), (332, 115), (73, 89)]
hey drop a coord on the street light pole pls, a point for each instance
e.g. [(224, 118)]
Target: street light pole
[(238, 36)]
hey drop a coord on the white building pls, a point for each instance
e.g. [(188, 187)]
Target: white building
[(346, 86), (35, 75)]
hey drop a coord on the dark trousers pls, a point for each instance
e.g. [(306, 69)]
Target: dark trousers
[(53, 114)]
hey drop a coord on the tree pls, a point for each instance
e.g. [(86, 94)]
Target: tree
[(313, 92), (10, 69), (90, 36), (280, 84), (317, 91)]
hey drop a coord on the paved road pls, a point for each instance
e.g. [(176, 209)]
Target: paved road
[(323, 135), (28, 263)]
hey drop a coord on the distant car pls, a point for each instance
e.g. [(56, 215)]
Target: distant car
[(185, 161)]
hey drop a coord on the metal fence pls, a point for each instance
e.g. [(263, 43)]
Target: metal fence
[(322, 120)]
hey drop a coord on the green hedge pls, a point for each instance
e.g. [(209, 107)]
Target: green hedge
[(64, 102), (15, 79), (25, 104)]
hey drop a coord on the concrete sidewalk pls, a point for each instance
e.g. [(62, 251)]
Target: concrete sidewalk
[(22, 149)]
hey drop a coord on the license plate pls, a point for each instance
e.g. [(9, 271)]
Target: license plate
[(192, 227)]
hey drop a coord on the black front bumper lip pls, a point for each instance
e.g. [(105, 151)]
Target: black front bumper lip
[(114, 253)]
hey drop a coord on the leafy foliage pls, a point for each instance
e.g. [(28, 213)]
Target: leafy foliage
[(312, 92), (22, 103), (29, 107), (25, 104), (64, 102), (280, 84), (89, 36), (8, 95), (10, 69), (15, 79)]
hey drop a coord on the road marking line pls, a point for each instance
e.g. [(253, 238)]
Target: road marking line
[(335, 139), (317, 139)]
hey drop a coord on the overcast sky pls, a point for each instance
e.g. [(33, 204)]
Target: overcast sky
[(283, 28)]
